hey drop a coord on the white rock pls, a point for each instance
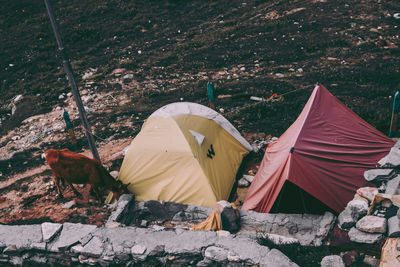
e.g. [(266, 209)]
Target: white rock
[(358, 236), (223, 233), (281, 240), (358, 208), (372, 224), (125, 150), (87, 99), (157, 228), (233, 257), (332, 261), (87, 110), (15, 138), (138, 249), (61, 96), (249, 178), (69, 204), (243, 182), (128, 76), (114, 174), (93, 261), (17, 98), (368, 192), (216, 254), (49, 230), (77, 248), (375, 174)]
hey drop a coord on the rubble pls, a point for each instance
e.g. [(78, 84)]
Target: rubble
[(368, 192), (49, 230), (354, 210), (332, 261), (392, 159), (358, 236), (346, 219), (378, 174), (372, 224), (392, 186), (243, 183), (394, 226), (69, 204)]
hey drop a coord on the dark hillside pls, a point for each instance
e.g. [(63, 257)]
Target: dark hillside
[(245, 47)]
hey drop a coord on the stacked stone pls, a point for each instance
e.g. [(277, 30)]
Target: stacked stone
[(52, 244), (372, 224)]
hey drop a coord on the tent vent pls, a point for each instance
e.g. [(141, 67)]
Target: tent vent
[(292, 150), (199, 137)]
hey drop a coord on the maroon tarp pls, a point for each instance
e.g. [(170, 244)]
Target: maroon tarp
[(325, 152)]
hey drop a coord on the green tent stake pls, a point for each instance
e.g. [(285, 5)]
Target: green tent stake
[(395, 114), (211, 97)]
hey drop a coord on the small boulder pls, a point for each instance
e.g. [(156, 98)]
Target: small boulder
[(243, 182), (69, 204), (358, 197), (332, 261), (114, 174), (393, 185), (216, 254), (358, 236), (346, 220), (378, 174), (368, 192), (394, 226), (371, 261), (223, 233), (358, 208), (138, 250), (392, 159), (372, 224), (50, 230), (249, 178)]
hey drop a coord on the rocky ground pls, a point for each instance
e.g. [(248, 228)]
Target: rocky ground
[(131, 58)]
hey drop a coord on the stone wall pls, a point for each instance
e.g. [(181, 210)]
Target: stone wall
[(69, 243), (307, 229), (134, 235)]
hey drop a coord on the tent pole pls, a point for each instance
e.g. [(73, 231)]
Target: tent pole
[(71, 80)]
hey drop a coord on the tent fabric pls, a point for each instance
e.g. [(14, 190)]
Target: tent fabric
[(185, 157), (324, 152), (214, 221), (188, 108)]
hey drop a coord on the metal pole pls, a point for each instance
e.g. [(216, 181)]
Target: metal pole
[(71, 80), (395, 114)]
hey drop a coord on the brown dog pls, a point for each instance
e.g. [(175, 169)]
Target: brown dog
[(79, 169)]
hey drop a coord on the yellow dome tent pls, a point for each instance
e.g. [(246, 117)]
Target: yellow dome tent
[(185, 153)]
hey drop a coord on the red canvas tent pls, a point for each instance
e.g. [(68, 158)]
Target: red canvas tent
[(324, 154)]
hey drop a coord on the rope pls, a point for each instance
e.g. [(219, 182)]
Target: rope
[(263, 102)]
